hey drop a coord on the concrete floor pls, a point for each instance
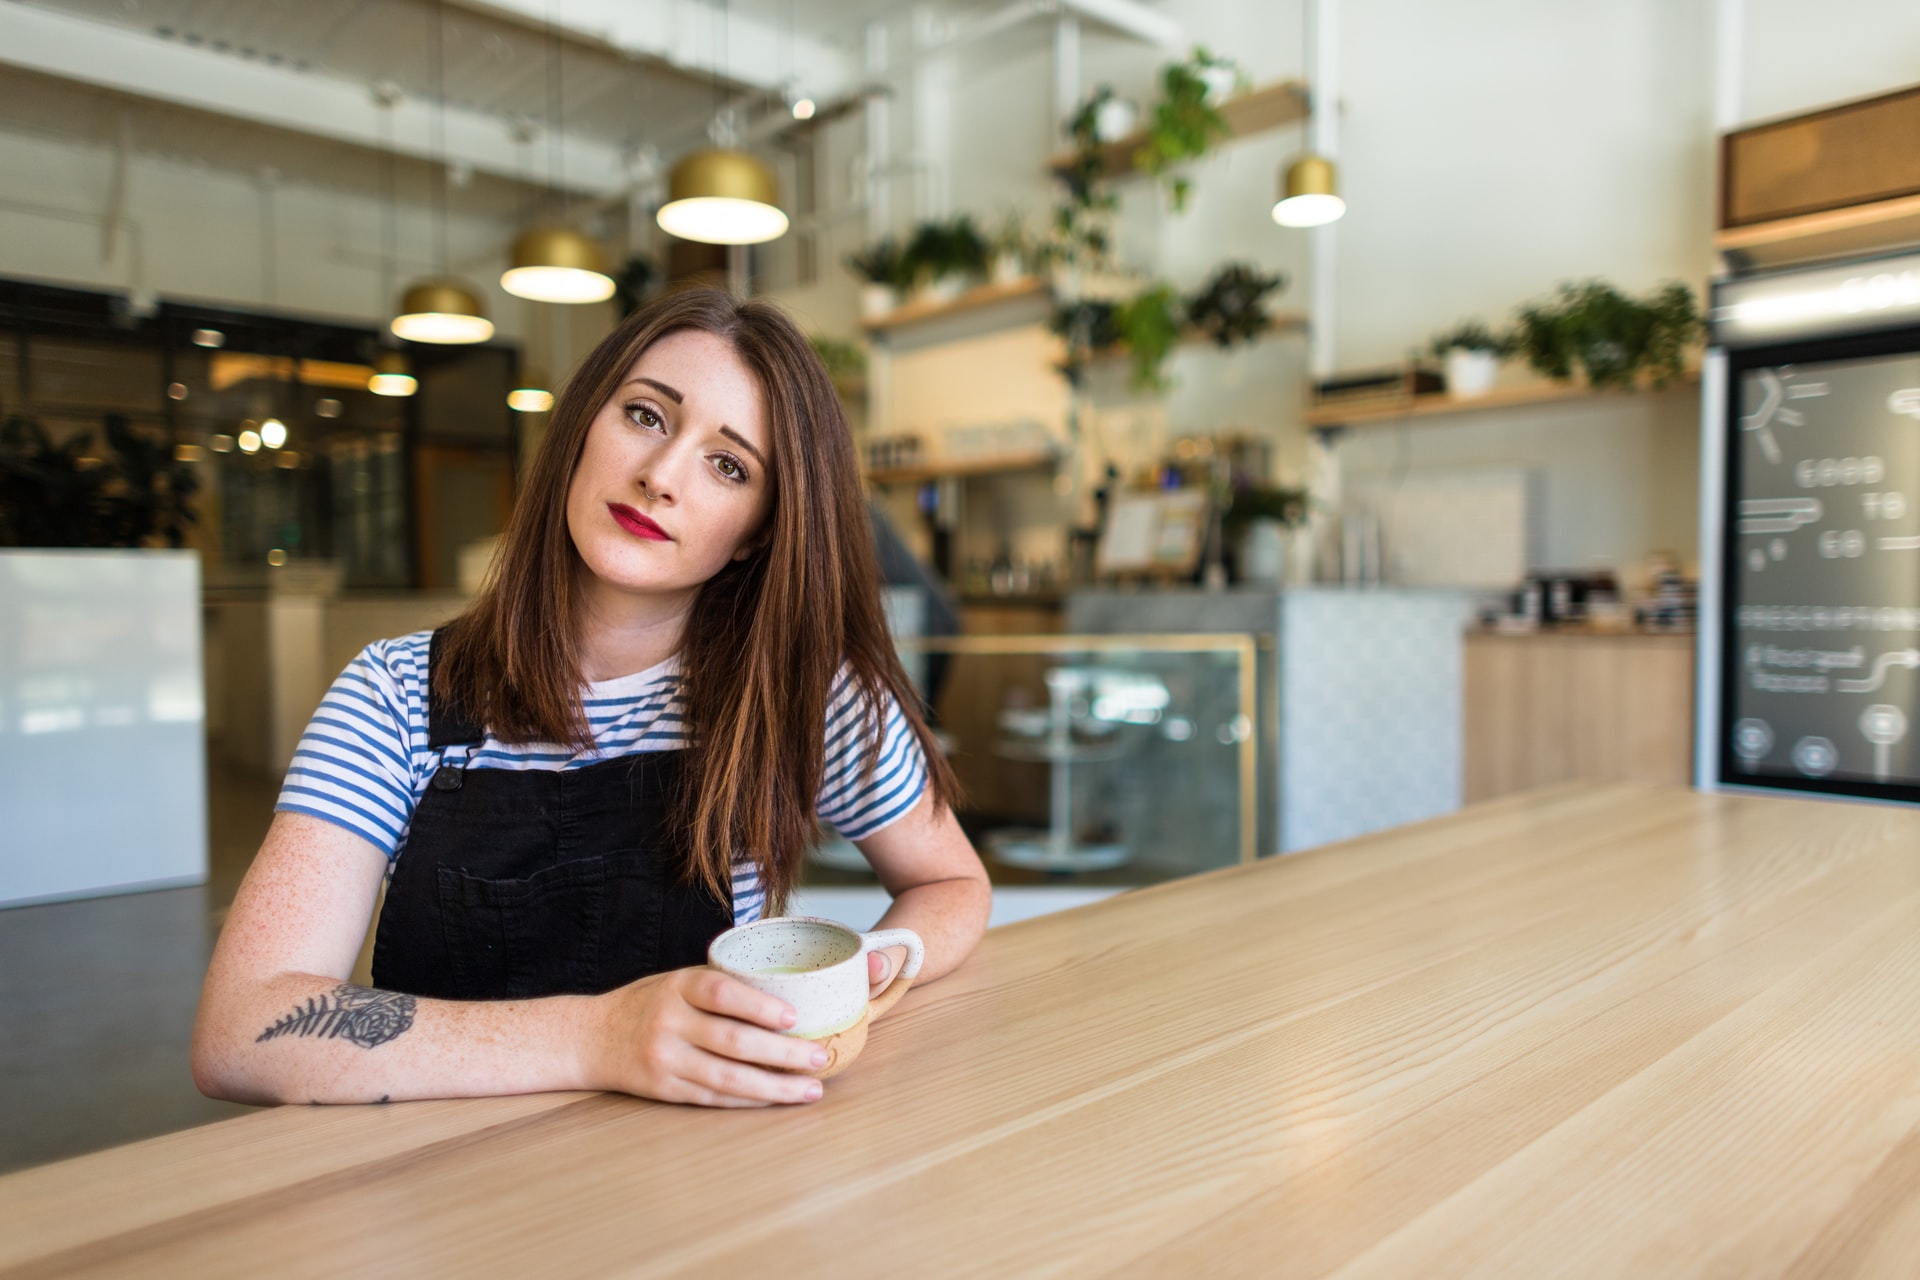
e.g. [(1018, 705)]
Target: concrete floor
[(97, 996), (97, 1002)]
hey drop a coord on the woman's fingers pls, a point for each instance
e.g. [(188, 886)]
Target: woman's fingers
[(734, 1083), (743, 1042), (716, 992)]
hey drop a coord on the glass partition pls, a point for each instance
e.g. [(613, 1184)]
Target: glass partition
[(1090, 759)]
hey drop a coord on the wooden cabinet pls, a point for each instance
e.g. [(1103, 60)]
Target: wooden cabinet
[(1554, 706)]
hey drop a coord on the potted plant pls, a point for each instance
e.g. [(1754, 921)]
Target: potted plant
[(1089, 328), (882, 270), (1472, 353), (942, 258), (1228, 308), (846, 362), (1150, 323), (1258, 520), (130, 494), (1011, 249), (1183, 126), (1611, 338)]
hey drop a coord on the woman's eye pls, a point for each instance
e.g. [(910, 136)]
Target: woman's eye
[(730, 467), (643, 416)]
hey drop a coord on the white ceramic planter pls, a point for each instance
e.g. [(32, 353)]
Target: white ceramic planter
[(1007, 268), (103, 772), (1114, 119), (876, 300), (941, 290), (1263, 552), (1220, 79), (1470, 373)]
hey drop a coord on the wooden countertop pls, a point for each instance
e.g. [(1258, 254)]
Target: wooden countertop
[(1593, 1030)]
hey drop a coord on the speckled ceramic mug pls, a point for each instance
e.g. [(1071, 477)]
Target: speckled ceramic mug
[(820, 968)]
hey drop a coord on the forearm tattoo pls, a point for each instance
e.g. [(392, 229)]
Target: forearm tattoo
[(367, 1018)]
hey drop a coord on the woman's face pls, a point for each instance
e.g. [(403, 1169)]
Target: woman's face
[(675, 479)]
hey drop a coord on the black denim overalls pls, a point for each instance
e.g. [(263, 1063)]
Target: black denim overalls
[(515, 884)]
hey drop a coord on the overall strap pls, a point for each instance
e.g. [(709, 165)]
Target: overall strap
[(447, 725)]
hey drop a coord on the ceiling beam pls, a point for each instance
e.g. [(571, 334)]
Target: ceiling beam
[(130, 62), (697, 38)]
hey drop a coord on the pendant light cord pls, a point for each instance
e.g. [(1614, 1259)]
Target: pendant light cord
[(437, 84), (557, 202), (389, 219)]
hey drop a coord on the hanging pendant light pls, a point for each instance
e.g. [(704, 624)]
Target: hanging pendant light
[(722, 196), (1309, 193), (392, 375), (441, 309), (554, 262), (530, 394), (557, 264)]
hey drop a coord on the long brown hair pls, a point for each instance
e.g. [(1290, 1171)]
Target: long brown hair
[(766, 638)]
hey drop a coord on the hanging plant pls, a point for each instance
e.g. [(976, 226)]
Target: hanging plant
[(1611, 338), (1183, 126), (1229, 307), (64, 496)]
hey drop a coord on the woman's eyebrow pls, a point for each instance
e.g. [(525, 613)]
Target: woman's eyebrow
[(662, 388), (742, 441)]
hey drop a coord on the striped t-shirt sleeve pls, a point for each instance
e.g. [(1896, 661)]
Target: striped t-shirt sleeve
[(868, 785), (354, 765)]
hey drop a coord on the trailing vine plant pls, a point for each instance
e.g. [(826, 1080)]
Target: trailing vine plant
[(1183, 126)]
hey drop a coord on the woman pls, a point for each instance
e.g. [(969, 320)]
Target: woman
[(623, 747)]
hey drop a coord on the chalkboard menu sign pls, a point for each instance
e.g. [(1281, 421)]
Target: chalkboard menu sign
[(1821, 665)]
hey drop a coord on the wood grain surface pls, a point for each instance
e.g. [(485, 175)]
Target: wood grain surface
[(1595, 1031)]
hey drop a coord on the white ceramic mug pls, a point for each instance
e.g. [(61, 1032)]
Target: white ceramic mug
[(820, 968)]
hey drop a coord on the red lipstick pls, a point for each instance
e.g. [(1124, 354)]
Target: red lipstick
[(636, 524)]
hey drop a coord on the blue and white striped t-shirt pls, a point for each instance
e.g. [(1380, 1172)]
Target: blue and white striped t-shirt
[(364, 763)]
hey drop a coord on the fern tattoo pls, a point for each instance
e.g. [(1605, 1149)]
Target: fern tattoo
[(367, 1018)]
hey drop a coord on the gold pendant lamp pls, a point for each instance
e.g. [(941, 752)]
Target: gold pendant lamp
[(557, 264), (553, 262), (392, 375), (441, 309), (1309, 193), (722, 196)]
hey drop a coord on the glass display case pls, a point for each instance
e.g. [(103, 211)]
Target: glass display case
[(1095, 760)]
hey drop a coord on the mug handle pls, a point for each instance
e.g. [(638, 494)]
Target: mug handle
[(916, 955)]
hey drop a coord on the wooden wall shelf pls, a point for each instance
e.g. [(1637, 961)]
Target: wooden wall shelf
[(1835, 233), (960, 468), (1259, 110), (974, 299), (1438, 406)]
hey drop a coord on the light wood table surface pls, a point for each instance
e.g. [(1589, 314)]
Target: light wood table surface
[(1614, 1030)]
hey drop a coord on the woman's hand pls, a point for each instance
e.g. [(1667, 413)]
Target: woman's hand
[(700, 1036)]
